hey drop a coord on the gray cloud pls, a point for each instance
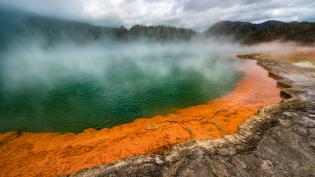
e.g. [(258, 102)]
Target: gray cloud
[(198, 14)]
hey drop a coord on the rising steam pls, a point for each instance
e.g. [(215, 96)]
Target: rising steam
[(69, 87), (31, 64)]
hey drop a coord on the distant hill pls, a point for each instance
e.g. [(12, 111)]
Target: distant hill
[(239, 30), (268, 24), (162, 32), (250, 33), (16, 25)]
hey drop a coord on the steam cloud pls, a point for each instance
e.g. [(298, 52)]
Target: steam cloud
[(32, 64)]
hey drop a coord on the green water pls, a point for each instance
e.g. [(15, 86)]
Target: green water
[(68, 90)]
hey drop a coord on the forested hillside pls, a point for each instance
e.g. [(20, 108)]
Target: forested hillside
[(249, 33)]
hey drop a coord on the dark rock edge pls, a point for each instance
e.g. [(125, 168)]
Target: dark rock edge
[(278, 141)]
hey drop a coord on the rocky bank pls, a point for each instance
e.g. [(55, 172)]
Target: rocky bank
[(278, 141)]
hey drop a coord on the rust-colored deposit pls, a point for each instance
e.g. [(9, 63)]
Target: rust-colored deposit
[(52, 154)]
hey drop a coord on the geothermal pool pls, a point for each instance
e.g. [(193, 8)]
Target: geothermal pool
[(60, 154), (143, 97), (70, 88)]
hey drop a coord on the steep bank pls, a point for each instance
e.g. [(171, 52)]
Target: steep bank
[(51, 154), (278, 141)]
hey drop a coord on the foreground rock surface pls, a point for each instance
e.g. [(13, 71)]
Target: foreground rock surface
[(278, 141)]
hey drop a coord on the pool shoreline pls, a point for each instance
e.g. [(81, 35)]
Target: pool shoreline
[(263, 146), (73, 152)]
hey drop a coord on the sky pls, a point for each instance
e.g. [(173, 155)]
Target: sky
[(196, 14)]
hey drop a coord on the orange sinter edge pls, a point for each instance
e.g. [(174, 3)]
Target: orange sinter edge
[(53, 154)]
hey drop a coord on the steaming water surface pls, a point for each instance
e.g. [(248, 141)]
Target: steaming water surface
[(67, 88)]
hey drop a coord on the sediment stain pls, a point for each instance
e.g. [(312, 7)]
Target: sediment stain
[(53, 154)]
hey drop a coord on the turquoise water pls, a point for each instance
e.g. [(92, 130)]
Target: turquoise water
[(70, 88)]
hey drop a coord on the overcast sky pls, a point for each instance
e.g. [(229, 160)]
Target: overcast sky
[(197, 14)]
